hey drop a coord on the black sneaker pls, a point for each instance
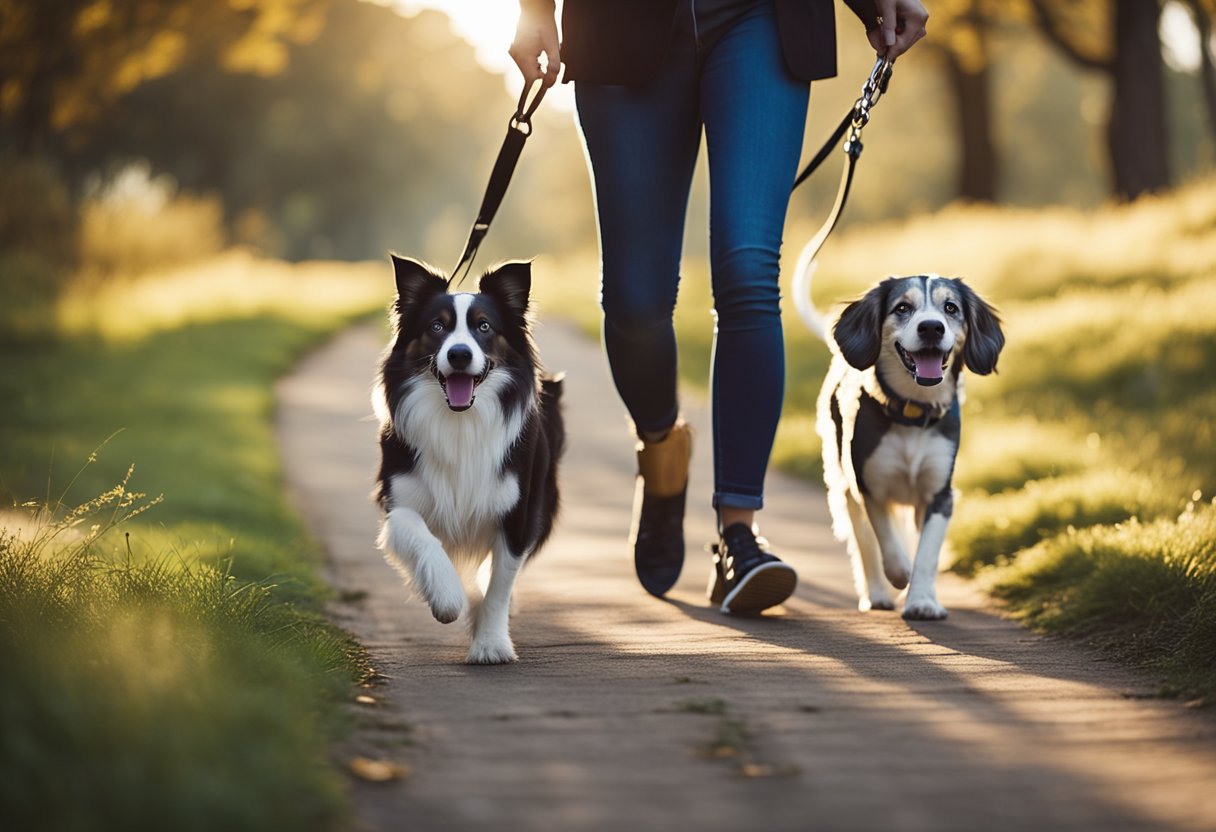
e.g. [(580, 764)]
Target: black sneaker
[(657, 536), (747, 577), (658, 542)]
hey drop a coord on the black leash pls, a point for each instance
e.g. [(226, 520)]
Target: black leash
[(518, 130), (853, 123)]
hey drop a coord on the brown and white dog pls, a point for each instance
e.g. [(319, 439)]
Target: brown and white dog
[(889, 418)]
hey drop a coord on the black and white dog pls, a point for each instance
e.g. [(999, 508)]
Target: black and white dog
[(888, 416), (470, 436)]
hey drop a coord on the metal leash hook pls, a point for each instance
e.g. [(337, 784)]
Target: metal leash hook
[(523, 111), (871, 92)]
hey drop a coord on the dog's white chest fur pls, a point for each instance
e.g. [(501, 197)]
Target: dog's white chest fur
[(458, 484), (909, 466)]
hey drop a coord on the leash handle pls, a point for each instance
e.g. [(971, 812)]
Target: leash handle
[(519, 128)]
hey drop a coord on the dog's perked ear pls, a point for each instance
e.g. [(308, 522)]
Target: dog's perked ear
[(858, 331), (416, 283), (984, 336), (509, 284)]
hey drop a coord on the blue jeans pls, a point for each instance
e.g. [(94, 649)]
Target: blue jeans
[(642, 143)]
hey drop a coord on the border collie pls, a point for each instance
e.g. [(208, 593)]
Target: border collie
[(470, 435), (889, 418)]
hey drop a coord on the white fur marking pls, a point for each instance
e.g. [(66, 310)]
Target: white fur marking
[(491, 628), (922, 603), (413, 551), (461, 336), (458, 485), (909, 466)]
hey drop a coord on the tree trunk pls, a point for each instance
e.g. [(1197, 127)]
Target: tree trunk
[(1207, 72), (977, 164), (1137, 129)]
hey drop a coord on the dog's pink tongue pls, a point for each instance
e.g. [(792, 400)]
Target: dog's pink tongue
[(460, 390), (928, 367)]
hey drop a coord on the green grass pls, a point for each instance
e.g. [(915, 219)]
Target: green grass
[(168, 670), (992, 529), (158, 694), (193, 409), (1145, 593)]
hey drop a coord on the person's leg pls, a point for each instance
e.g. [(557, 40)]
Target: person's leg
[(642, 145), (754, 114)]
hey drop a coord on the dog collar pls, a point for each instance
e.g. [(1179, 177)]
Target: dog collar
[(909, 411)]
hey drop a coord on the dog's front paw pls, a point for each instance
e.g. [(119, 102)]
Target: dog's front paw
[(446, 612), (876, 602), (924, 609), (447, 600), (897, 568), (487, 651)]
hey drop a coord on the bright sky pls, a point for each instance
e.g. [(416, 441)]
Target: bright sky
[(489, 25), (1181, 38)]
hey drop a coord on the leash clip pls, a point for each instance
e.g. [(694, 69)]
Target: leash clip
[(871, 92), (523, 111), (876, 84)]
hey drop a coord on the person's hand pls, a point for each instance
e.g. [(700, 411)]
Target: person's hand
[(536, 36), (901, 23)]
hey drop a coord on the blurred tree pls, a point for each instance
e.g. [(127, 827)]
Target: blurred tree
[(1120, 38), (64, 62), (959, 38), (376, 131), (326, 127)]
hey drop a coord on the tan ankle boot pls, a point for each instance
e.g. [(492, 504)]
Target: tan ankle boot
[(663, 465), (658, 509)]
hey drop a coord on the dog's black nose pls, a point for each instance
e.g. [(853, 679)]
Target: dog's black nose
[(931, 331), (460, 356)]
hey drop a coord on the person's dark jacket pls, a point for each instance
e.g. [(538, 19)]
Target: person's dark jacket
[(624, 41)]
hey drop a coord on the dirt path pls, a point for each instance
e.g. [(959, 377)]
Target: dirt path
[(626, 712)]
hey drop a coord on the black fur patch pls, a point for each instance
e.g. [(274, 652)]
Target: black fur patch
[(869, 428), (943, 502)]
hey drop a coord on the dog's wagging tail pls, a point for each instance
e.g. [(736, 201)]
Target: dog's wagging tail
[(471, 433)]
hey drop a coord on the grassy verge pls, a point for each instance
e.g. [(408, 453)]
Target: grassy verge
[(167, 669), (1144, 592), (1098, 427)]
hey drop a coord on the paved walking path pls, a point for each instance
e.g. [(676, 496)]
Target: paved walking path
[(626, 712)]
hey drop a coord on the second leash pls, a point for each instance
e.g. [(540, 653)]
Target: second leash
[(852, 125)]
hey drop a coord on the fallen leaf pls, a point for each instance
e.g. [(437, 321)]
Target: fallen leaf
[(755, 770), (378, 771)]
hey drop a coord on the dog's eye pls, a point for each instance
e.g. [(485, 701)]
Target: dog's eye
[(951, 308), (484, 326), (902, 308), (436, 325)]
